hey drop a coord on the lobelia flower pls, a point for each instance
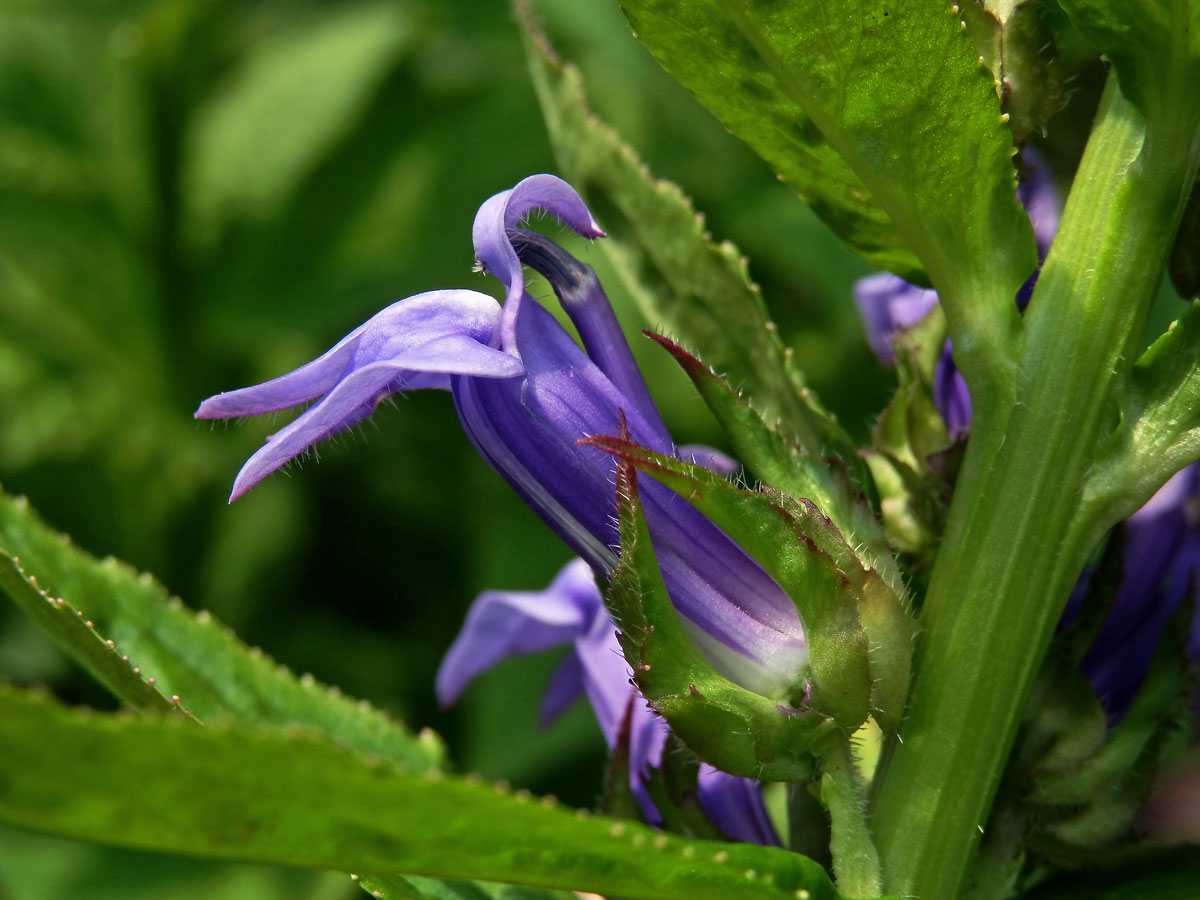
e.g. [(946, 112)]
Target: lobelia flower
[(571, 611), (526, 393)]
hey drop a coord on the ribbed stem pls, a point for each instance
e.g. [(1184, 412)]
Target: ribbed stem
[(1010, 555)]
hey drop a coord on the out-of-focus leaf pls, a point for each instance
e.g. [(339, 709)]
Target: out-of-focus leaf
[(390, 887), (414, 887), (694, 43), (1154, 45), (683, 281), (1171, 875), (1159, 432), (1084, 808), (291, 796), (189, 654), (287, 103), (44, 867)]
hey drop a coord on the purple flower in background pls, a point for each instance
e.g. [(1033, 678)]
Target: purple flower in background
[(888, 303), (571, 611), (1161, 568), (526, 393)]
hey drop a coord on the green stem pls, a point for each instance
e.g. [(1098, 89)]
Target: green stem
[(1012, 550), (855, 859)]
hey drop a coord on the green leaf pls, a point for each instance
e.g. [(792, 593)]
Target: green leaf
[(390, 887), (1153, 44), (291, 796), (81, 640), (1159, 432), (414, 887), (117, 672), (896, 89), (694, 42), (310, 79), (775, 459), (1151, 712), (810, 559), (187, 654), (1018, 48), (680, 278), (723, 723), (1065, 723), (1086, 808)]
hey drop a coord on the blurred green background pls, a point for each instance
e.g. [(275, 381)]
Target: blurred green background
[(196, 195)]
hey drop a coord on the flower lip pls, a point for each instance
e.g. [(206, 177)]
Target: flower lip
[(416, 342), (498, 219)]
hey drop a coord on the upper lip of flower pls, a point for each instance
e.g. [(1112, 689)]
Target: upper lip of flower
[(500, 215)]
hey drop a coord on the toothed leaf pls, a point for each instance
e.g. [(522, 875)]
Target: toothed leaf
[(190, 654), (896, 90), (292, 796), (775, 459), (683, 281), (697, 45), (79, 637), (806, 554)]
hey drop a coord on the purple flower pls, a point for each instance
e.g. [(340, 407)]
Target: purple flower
[(414, 343), (888, 303), (1161, 569), (529, 429), (526, 393), (571, 611)]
